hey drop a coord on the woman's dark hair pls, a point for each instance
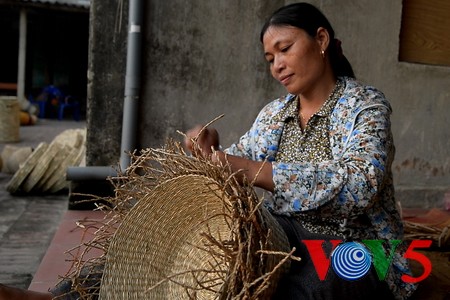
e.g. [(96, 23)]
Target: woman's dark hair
[(309, 18)]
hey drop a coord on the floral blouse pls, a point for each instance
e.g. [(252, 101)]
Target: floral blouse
[(356, 184)]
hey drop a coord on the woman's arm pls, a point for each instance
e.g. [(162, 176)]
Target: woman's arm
[(258, 172)]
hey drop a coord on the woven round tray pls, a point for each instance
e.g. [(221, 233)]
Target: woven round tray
[(14, 185), (41, 167), (75, 160), (73, 138), (54, 165), (74, 145)]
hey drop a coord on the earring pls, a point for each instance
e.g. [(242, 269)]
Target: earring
[(323, 53)]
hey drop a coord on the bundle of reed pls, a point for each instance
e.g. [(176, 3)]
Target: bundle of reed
[(439, 234)]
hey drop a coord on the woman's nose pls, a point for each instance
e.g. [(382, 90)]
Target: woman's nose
[(278, 64)]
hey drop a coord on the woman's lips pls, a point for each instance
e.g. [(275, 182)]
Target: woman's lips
[(285, 79)]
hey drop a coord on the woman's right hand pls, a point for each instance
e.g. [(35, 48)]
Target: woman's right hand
[(207, 142), (201, 142)]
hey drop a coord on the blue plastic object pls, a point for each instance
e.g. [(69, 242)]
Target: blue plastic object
[(52, 96)]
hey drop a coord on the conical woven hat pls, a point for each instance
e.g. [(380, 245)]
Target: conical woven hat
[(166, 247)]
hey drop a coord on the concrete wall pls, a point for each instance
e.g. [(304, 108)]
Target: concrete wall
[(203, 59), (106, 81)]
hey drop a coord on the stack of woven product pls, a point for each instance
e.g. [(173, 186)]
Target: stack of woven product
[(43, 169)]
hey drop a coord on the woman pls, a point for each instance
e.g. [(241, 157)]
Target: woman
[(324, 152)]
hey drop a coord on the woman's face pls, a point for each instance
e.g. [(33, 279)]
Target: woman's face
[(295, 58)]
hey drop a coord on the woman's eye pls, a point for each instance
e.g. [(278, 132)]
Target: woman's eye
[(285, 49), (270, 59)]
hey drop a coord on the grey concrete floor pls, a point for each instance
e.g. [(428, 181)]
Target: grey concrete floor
[(28, 222)]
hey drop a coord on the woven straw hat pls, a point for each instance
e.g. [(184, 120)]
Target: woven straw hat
[(179, 242), (181, 227)]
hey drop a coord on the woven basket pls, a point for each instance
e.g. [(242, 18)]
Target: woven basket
[(167, 246), (9, 119)]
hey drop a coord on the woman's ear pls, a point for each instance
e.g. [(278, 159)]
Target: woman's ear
[(323, 38)]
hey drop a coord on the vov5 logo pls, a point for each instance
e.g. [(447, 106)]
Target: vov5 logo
[(352, 260)]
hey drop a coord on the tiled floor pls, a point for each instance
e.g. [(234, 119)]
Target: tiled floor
[(27, 225)]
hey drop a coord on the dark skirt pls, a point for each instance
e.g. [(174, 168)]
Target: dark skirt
[(302, 281)]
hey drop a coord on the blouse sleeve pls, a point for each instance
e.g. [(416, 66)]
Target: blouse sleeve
[(261, 141), (243, 147), (349, 184)]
